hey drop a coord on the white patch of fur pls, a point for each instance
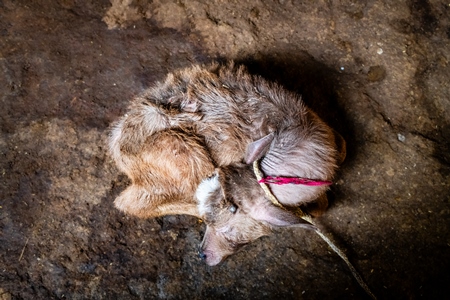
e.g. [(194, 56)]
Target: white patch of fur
[(115, 134), (207, 187), (153, 119)]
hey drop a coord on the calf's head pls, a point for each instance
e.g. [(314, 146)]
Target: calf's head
[(236, 211)]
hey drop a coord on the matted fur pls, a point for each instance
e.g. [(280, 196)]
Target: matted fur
[(164, 164), (237, 109), (199, 118)]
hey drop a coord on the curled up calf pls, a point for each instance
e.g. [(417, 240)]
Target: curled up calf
[(202, 118), (188, 145)]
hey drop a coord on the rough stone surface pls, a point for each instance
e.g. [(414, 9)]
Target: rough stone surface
[(377, 71)]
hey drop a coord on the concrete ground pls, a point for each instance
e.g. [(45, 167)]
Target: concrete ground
[(377, 71)]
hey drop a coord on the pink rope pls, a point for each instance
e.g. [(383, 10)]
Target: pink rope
[(293, 180)]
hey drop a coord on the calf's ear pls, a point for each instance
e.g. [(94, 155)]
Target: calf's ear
[(276, 216), (258, 148)]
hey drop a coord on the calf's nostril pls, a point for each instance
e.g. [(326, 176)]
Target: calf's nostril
[(202, 255)]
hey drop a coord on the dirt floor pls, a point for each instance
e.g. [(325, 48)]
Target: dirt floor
[(377, 71)]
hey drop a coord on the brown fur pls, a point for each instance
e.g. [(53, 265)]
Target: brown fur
[(165, 164), (238, 110), (201, 117)]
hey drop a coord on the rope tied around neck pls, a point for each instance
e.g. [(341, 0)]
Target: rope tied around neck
[(300, 213), (293, 180)]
